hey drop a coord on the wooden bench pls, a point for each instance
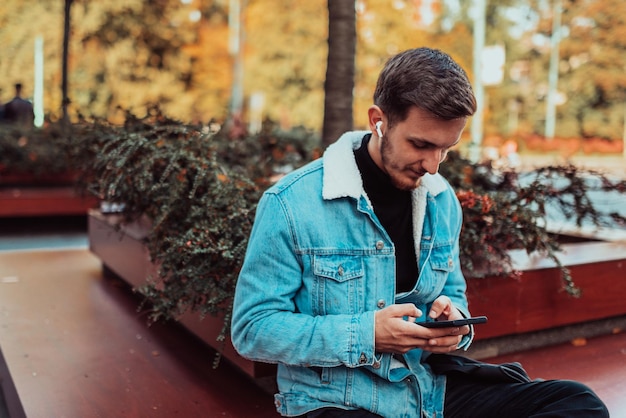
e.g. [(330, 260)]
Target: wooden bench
[(75, 344)]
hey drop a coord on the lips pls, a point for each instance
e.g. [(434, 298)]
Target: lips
[(416, 174)]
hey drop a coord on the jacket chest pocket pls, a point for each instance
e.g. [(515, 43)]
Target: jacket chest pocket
[(338, 284), (441, 260), (439, 264)]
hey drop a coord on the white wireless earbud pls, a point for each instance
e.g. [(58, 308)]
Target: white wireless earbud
[(378, 131)]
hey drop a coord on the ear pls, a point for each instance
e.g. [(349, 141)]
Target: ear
[(375, 115)]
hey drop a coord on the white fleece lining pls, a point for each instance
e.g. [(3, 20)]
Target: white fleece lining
[(341, 174), (343, 179), (419, 213)]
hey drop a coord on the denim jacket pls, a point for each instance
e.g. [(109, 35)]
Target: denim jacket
[(318, 266)]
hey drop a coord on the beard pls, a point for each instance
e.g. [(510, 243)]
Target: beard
[(395, 170)]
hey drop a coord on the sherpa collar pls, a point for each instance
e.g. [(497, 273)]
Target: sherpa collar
[(343, 179)]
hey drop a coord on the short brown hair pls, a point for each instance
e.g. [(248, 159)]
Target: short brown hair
[(426, 78)]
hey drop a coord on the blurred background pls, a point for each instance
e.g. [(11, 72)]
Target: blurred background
[(550, 74)]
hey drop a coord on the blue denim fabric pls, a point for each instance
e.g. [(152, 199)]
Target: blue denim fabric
[(318, 266)]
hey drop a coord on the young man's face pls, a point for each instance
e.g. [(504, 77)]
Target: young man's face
[(415, 146)]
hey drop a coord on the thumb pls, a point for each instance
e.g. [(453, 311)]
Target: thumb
[(406, 309)]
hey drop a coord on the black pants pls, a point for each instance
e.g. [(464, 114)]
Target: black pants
[(468, 398)]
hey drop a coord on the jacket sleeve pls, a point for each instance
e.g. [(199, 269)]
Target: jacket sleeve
[(267, 326), (455, 287)]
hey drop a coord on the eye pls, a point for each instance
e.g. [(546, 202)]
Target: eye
[(420, 145)]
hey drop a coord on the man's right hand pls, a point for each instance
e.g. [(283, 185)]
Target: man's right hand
[(396, 332)]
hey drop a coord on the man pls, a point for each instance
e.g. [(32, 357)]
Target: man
[(19, 110), (350, 251)]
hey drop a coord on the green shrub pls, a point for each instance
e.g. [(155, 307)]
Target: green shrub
[(503, 212), (199, 190), (37, 152)]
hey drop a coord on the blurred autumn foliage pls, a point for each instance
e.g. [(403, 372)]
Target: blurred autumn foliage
[(132, 54)]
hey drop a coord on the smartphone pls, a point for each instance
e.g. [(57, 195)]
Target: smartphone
[(454, 322)]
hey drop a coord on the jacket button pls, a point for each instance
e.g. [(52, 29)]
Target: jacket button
[(376, 365), (381, 303), (450, 263), (340, 270), (362, 358), (380, 245)]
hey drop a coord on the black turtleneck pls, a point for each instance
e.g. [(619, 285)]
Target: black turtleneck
[(392, 206)]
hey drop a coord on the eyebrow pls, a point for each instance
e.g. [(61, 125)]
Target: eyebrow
[(431, 144)]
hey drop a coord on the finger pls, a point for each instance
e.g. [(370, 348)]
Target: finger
[(446, 332), (405, 310), (440, 349), (445, 343), (440, 306)]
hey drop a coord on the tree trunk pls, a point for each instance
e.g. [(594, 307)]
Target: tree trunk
[(339, 84), (66, 41)]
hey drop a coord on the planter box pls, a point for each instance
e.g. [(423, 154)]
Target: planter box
[(26, 194), (43, 201), (14, 179), (123, 253), (536, 300), (532, 302)]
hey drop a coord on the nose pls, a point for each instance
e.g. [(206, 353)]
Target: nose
[(432, 160)]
